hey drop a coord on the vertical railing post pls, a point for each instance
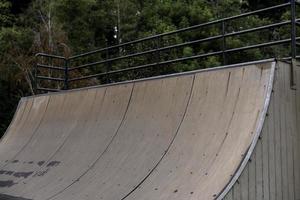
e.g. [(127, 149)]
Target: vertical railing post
[(224, 42), (293, 44), (66, 79), (50, 73), (35, 86), (157, 52), (293, 29), (108, 66)]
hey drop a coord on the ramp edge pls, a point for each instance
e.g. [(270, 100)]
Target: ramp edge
[(160, 77), (258, 132), (22, 100)]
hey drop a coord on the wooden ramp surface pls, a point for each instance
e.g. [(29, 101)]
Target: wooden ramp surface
[(274, 170), (181, 137)]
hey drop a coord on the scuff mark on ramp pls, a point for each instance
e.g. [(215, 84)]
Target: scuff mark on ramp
[(7, 183), (8, 197)]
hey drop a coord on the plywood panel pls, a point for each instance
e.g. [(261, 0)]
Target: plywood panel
[(259, 171), (276, 155), (99, 126), (297, 137), (284, 88), (22, 132), (289, 119), (265, 139), (252, 177), (183, 174), (179, 137), (244, 182), (271, 128), (148, 129)]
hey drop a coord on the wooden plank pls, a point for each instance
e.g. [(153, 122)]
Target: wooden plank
[(10, 149), (100, 109), (229, 195), (265, 159), (210, 170), (154, 115), (277, 155), (244, 182), (283, 93), (290, 131), (271, 145), (278, 159), (297, 136), (252, 178), (259, 171), (175, 138), (237, 191)]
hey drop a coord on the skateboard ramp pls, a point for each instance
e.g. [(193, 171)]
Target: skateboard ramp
[(184, 136)]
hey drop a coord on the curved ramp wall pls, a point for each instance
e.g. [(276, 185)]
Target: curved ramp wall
[(176, 137), (274, 170)]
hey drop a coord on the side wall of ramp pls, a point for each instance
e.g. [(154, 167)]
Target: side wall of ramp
[(273, 172)]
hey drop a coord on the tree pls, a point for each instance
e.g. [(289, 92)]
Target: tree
[(6, 18)]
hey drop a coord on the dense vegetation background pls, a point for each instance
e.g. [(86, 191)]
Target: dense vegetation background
[(66, 27)]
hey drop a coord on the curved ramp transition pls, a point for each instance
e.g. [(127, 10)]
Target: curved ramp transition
[(274, 170), (177, 137)]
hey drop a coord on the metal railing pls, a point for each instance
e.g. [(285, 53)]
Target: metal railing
[(66, 69)]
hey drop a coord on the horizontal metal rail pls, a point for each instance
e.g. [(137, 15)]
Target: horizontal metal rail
[(183, 30), (144, 66), (48, 89), (50, 67), (50, 56), (156, 50), (259, 45), (49, 78), (147, 52), (183, 44), (184, 59)]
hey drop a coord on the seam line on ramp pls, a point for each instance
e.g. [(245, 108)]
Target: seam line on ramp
[(33, 134), (168, 148), (228, 126), (100, 156), (94, 100), (252, 146), (63, 143)]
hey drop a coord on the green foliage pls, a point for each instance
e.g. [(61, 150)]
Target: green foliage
[(74, 19), (15, 37), (6, 18), (12, 86)]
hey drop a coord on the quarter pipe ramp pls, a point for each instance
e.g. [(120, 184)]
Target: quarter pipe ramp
[(185, 136)]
